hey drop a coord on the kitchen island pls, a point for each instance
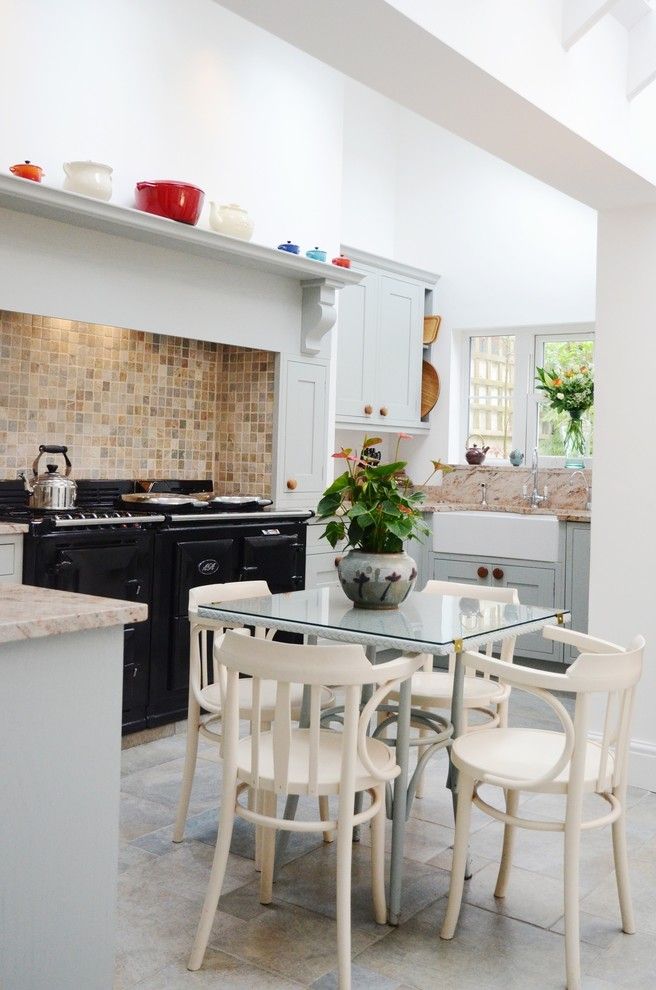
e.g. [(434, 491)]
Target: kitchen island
[(61, 670)]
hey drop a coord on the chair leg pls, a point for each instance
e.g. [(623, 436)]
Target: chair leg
[(191, 753), (460, 850), (324, 814), (572, 858), (217, 874), (344, 858), (512, 803), (378, 859), (502, 711), (424, 732), (268, 849), (622, 871)]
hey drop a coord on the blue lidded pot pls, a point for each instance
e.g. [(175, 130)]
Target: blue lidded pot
[(516, 457), (316, 254), (289, 247)]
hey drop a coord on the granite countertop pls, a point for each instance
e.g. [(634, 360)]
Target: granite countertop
[(11, 529), (27, 612), (561, 513)]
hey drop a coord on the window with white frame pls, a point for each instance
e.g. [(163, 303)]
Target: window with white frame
[(500, 402)]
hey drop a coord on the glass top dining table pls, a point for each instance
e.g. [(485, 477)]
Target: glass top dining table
[(441, 625)]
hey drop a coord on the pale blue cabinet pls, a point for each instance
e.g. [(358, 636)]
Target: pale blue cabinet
[(577, 577), (537, 583)]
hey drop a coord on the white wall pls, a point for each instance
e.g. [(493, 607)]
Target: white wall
[(622, 592), (511, 250), (163, 89)]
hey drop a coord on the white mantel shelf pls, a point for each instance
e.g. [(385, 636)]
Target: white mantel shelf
[(318, 280)]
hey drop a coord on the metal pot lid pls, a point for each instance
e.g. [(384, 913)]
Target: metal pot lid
[(235, 500), (160, 500)]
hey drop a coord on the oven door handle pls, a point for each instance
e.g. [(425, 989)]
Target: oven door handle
[(133, 588), (247, 570)]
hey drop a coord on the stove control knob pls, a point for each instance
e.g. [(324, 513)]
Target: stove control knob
[(291, 484)]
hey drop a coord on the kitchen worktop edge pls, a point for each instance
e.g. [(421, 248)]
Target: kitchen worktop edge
[(27, 612)]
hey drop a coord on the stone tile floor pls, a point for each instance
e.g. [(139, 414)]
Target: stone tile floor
[(515, 943)]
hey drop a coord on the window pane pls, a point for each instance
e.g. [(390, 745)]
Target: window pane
[(491, 388), (560, 355)]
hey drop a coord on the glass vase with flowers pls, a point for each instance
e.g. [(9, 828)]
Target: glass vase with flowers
[(571, 391), (374, 507)]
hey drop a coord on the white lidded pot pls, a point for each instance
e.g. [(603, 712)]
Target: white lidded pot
[(232, 220), (89, 179)]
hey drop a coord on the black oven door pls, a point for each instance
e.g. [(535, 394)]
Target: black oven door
[(110, 565), (275, 557)]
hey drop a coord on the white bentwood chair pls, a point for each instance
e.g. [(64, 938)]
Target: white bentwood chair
[(433, 689), (206, 695), (548, 762), (287, 760)]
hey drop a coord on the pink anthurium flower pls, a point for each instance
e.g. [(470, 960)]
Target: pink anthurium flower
[(342, 455)]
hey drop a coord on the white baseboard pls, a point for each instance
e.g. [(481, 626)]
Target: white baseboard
[(642, 762)]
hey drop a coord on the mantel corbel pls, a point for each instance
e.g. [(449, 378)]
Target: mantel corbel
[(319, 311)]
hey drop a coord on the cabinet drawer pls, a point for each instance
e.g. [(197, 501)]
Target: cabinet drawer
[(7, 559), (320, 571), (316, 545)]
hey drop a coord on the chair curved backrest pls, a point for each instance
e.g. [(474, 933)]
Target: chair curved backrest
[(285, 664), (506, 596), (207, 594), (601, 668)]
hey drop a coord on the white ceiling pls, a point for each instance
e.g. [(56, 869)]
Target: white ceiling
[(375, 44)]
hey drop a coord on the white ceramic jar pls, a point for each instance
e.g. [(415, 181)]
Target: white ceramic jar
[(89, 179), (231, 220)]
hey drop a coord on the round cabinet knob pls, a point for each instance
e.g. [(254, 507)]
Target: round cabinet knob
[(291, 484), (482, 572), (368, 410), (497, 573), (384, 410), (337, 561)]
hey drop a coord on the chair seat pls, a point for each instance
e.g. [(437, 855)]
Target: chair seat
[(330, 762), (434, 688), (521, 754), (211, 696)]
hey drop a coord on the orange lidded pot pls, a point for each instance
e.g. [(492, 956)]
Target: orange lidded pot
[(26, 170)]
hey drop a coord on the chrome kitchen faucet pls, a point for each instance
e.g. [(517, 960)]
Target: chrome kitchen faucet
[(535, 498)]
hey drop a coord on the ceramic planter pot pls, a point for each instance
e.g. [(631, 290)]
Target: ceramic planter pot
[(377, 580)]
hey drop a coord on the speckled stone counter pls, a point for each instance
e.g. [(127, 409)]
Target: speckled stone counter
[(12, 529), (28, 613), (562, 514)]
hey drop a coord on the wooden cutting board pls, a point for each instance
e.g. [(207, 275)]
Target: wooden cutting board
[(430, 387)]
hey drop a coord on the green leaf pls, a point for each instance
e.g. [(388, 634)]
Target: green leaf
[(384, 470), (329, 505), (339, 484), (334, 532)]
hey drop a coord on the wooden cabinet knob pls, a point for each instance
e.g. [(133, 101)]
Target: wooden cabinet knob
[(497, 573), (368, 410), (482, 572), (291, 484), (384, 410), (337, 560)]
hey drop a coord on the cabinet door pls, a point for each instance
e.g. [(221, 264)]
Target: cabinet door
[(356, 349), (535, 586), (462, 571), (399, 351), (321, 570), (302, 434), (577, 579)]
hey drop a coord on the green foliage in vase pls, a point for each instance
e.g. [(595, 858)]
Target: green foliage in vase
[(569, 390), (375, 512)]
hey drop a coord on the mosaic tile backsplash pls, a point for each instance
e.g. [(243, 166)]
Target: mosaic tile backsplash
[(135, 405)]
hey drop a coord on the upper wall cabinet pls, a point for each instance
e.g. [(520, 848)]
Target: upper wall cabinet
[(379, 344), (301, 439)]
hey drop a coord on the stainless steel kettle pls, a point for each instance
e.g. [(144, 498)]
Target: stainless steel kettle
[(51, 490)]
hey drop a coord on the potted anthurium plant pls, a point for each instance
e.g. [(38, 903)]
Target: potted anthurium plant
[(375, 513)]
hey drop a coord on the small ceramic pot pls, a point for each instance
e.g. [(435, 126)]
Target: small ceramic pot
[(289, 247), (342, 261), (377, 580), (316, 254), (178, 201), (231, 220), (26, 170), (89, 179), (516, 457)]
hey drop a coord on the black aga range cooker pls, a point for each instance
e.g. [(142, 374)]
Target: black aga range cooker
[(116, 547)]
